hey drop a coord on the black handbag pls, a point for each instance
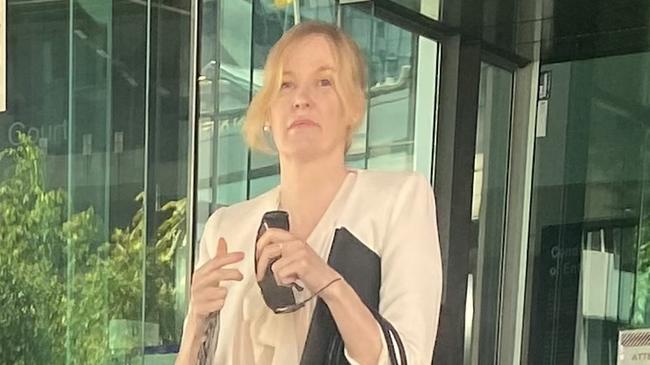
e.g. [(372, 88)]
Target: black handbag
[(361, 268)]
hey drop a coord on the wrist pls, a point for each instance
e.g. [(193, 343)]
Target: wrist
[(334, 291)]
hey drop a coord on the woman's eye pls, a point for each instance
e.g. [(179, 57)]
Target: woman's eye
[(286, 84), (324, 82)]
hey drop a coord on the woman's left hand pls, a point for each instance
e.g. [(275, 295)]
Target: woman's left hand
[(298, 261)]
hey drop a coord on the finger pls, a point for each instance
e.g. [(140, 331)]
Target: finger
[(296, 268), (214, 278), (222, 247), (229, 259), (217, 262), (296, 264), (288, 273), (272, 235), (282, 263), (274, 269), (288, 280), (291, 249), (282, 271), (268, 253)]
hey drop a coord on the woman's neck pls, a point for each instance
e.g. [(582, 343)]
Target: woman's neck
[(307, 188)]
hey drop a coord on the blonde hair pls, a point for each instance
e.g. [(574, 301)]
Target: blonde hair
[(350, 80)]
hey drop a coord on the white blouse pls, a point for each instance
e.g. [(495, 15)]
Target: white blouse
[(392, 213)]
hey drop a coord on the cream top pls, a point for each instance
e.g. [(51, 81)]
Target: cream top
[(392, 213)]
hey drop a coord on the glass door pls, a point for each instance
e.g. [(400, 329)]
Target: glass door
[(93, 149), (489, 213)]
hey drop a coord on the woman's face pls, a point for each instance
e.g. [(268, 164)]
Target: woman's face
[(307, 118)]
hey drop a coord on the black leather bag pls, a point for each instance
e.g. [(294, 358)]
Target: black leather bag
[(361, 268)]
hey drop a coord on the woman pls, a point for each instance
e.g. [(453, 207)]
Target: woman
[(312, 101)]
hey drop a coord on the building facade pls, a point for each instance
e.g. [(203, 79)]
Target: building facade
[(122, 134)]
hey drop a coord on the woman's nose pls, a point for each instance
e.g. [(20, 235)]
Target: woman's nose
[(300, 104), (302, 99)]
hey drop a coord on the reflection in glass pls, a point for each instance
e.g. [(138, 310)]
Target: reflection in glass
[(236, 37), (489, 206), (398, 133), (429, 8), (590, 212), (93, 183)]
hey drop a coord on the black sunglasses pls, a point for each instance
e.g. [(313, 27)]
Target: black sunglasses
[(279, 298)]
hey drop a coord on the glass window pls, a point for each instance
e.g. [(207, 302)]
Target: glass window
[(501, 23), (93, 149), (236, 37), (402, 78), (429, 8), (589, 217), (489, 207)]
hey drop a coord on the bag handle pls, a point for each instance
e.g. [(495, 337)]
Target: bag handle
[(390, 334)]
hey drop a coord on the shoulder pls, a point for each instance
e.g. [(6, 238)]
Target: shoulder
[(393, 184), (386, 205), (380, 195)]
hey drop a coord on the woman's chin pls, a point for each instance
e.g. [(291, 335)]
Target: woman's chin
[(302, 143), (303, 152), (307, 147)]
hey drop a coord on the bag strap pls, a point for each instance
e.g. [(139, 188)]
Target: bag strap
[(391, 334)]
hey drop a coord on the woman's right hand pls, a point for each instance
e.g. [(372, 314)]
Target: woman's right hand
[(207, 294)]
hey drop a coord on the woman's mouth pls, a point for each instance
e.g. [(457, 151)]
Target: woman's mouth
[(303, 122)]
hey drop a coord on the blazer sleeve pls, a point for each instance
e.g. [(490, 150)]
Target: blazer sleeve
[(411, 270)]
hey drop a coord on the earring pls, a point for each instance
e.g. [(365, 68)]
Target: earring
[(266, 128)]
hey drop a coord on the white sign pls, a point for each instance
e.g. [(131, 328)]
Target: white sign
[(3, 55), (542, 118), (634, 347)]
